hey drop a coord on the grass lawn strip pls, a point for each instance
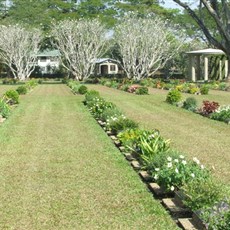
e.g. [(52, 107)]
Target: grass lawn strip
[(4, 88), (190, 133), (59, 170)]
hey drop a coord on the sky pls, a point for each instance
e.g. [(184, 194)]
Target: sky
[(173, 5)]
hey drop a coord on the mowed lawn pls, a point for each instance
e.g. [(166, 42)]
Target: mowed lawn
[(59, 170), (190, 133), (4, 88)]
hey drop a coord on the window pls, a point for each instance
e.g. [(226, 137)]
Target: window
[(112, 68)]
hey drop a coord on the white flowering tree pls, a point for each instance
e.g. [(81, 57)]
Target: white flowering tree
[(145, 45), (18, 49), (80, 42)]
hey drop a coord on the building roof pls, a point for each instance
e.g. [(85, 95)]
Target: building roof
[(49, 53), (101, 60), (207, 51)]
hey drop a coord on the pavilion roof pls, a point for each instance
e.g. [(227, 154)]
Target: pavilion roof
[(207, 51)]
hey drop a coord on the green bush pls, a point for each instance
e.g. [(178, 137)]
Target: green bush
[(142, 90), (120, 123), (82, 89), (190, 104), (31, 84), (201, 193), (222, 114), (12, 96), (174, 96), (91, 95), (22, 89), (4, 109), (204, 90), (110, 112)]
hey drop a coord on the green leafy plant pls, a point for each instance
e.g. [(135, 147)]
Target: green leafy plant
[(177, 172), (190, 104), (109, 112), (82, 89), (11, 97), (21, 89), (173, 96), (142, 91), (4, 109), (202, 193), (222, 114), (120, 123), (204, 89), (91, 95)]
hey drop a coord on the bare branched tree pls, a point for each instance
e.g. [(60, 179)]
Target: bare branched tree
[(145, 45), (80, 42), (219, 11), (18, 49)]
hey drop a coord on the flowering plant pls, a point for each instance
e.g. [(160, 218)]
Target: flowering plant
[(119, 123), (222, 114), (209, 107), (177, 172)]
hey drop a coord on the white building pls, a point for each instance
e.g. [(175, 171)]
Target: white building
[(48, 61)]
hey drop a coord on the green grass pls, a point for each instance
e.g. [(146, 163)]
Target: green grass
[(59, 170), (4, 88), (189, 133)]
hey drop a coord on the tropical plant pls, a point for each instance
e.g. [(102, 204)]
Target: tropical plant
[(173, 96), (190, 104), (22, 89), (4, 109), (11, 97)]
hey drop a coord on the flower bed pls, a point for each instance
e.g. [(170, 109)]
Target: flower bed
[(149, 151)]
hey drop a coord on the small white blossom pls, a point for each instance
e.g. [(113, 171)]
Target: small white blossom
[(155, 177), (157, 169), (181, 157), (169, 158), (196, 160), (176, 160), (172, 188), (193, 175), (169, 165), (176, 170), (202, 166), (184, 162)]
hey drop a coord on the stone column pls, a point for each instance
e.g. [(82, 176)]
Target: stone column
[(192, 68), (226, 69)]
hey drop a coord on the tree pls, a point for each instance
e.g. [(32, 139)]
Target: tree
[(219, 11), (145, 45), (80, 42), (18, 49)]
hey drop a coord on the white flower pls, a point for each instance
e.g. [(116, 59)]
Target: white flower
[(176, 170), (169, 165), (184, 162), (176, 160), (202, 166), (169, 158), (157, 169), (155, 177), (196, 160), (193, 175), (181, 157), (172, 188)]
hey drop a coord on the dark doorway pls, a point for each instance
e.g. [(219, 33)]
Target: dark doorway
[(104, 69)]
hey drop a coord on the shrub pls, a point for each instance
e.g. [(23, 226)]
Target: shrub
[(190, 104), (21, 89), (209, 107), (201, 193), (142, 91), (110, 112), (133, 88), (204, 90), (90, 95), (222, 114), (173, 97), (194, 90), (4, 109), (82, 89), (120, 123), (217, 217), (178, 172), (223, 86), (12, 97), (31, 84)]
